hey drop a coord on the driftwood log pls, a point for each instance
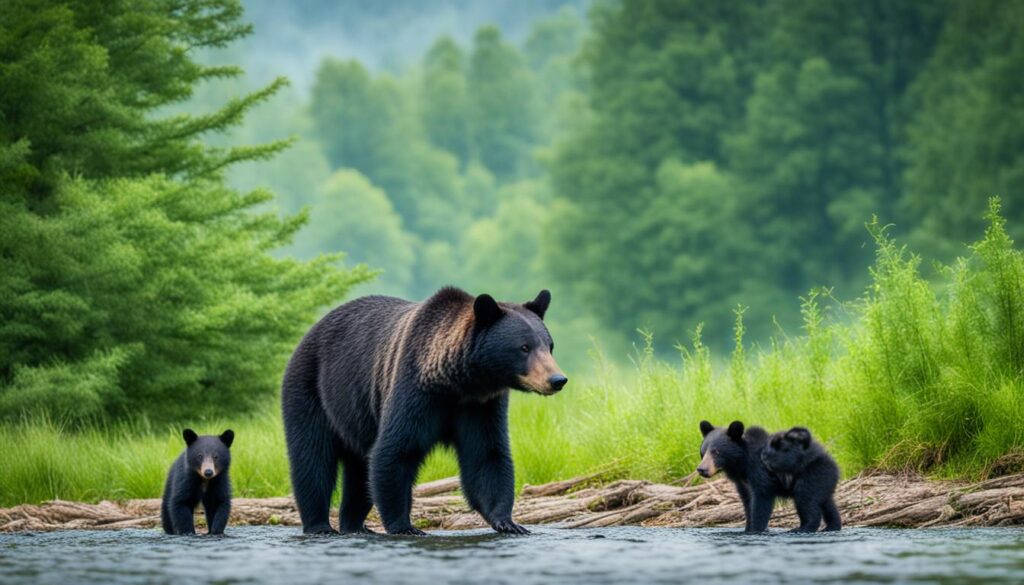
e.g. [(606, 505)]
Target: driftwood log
[(586, 502)]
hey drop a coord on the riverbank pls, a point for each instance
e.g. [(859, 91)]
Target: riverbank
[(881, 500)]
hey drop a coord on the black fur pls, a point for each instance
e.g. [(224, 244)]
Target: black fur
[(186, 487), (380, 381), (739, 452), (809, 475)]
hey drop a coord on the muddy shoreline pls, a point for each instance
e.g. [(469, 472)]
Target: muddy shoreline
[(881, 500)]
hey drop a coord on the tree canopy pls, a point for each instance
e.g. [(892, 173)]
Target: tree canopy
[(132, 277)]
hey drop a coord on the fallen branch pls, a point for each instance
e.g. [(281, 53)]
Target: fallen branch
[(866, 500)]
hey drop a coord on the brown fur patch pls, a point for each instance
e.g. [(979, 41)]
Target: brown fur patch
[(445, 350), (540, 369), (387, 360), (709, 463)]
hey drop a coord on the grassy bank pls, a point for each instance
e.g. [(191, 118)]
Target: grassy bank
[(919, 373)]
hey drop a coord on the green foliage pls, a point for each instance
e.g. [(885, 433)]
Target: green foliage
[(815, 115), (353, 215), (914, 375), (132, 279), (503, 114), (444, 98), (967, 130)]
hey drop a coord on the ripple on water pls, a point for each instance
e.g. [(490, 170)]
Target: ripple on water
[(609, 555)]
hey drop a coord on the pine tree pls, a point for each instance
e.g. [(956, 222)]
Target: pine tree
[(133, 280)]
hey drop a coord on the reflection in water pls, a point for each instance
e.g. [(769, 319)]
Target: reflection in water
[(550, 555)]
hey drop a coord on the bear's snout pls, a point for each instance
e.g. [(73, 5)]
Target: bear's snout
[(207, 469), (543, 375), (707, 466)]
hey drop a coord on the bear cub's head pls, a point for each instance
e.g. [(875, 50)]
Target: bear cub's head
[(208, 455), (789, 451), (723, 448), (512, 347)]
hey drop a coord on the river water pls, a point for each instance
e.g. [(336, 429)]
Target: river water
[(549, 555)]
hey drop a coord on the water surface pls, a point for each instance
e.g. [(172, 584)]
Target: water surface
[(550, 555)]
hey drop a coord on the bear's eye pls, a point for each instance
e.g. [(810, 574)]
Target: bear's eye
[(714, 452), (524, 348), (551, 348)]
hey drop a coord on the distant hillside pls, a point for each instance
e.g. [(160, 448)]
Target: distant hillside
[(291, 38)]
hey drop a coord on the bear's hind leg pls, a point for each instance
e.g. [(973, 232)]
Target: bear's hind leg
[(831, 514), (808, 508), (312, 458), (355, 496)]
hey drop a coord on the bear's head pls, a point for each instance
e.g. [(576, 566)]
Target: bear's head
[(512, 347), (208, 455), (723, 448), (787, 452)]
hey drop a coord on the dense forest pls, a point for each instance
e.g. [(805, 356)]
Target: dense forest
[(168, 230), (662, 163)]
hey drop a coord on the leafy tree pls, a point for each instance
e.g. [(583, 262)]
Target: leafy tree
[(665, 83), (966, 139), (824, 120), (132, 279), (444, 98), (352, 215), (503, 112), (368, 125)]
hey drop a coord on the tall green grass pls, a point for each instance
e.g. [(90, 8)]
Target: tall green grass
[(923, 372)]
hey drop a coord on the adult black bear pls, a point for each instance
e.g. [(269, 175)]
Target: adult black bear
[(199, 474), (379, 381), (809, 475)]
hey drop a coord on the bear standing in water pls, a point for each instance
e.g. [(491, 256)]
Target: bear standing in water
[(199, 474), (379, 381), (809, 475), (764, 468)]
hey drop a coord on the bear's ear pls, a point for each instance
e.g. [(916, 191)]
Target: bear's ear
[(799, 435), (706, 427), (190, 436), (735, 431), (486, 310), (227, 437), (540, 304)]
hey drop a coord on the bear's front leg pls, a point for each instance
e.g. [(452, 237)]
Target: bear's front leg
[(181, 517), (744, 492), (409, 429), (218, 510), (485, 463), (761, 506)]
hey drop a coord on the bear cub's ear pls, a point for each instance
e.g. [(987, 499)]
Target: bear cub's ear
[(227, 437), (190, 436), (539, 305), (799, 435), (706, 427), (735, 431), (486, 310)]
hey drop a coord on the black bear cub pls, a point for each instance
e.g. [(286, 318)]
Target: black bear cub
[(808, 472), (764, 467), (199, 474)]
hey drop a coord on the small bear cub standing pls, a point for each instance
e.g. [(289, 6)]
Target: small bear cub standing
[(199, 474), (763, 467)]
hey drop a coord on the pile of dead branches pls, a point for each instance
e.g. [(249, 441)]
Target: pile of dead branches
[(867, 500)]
